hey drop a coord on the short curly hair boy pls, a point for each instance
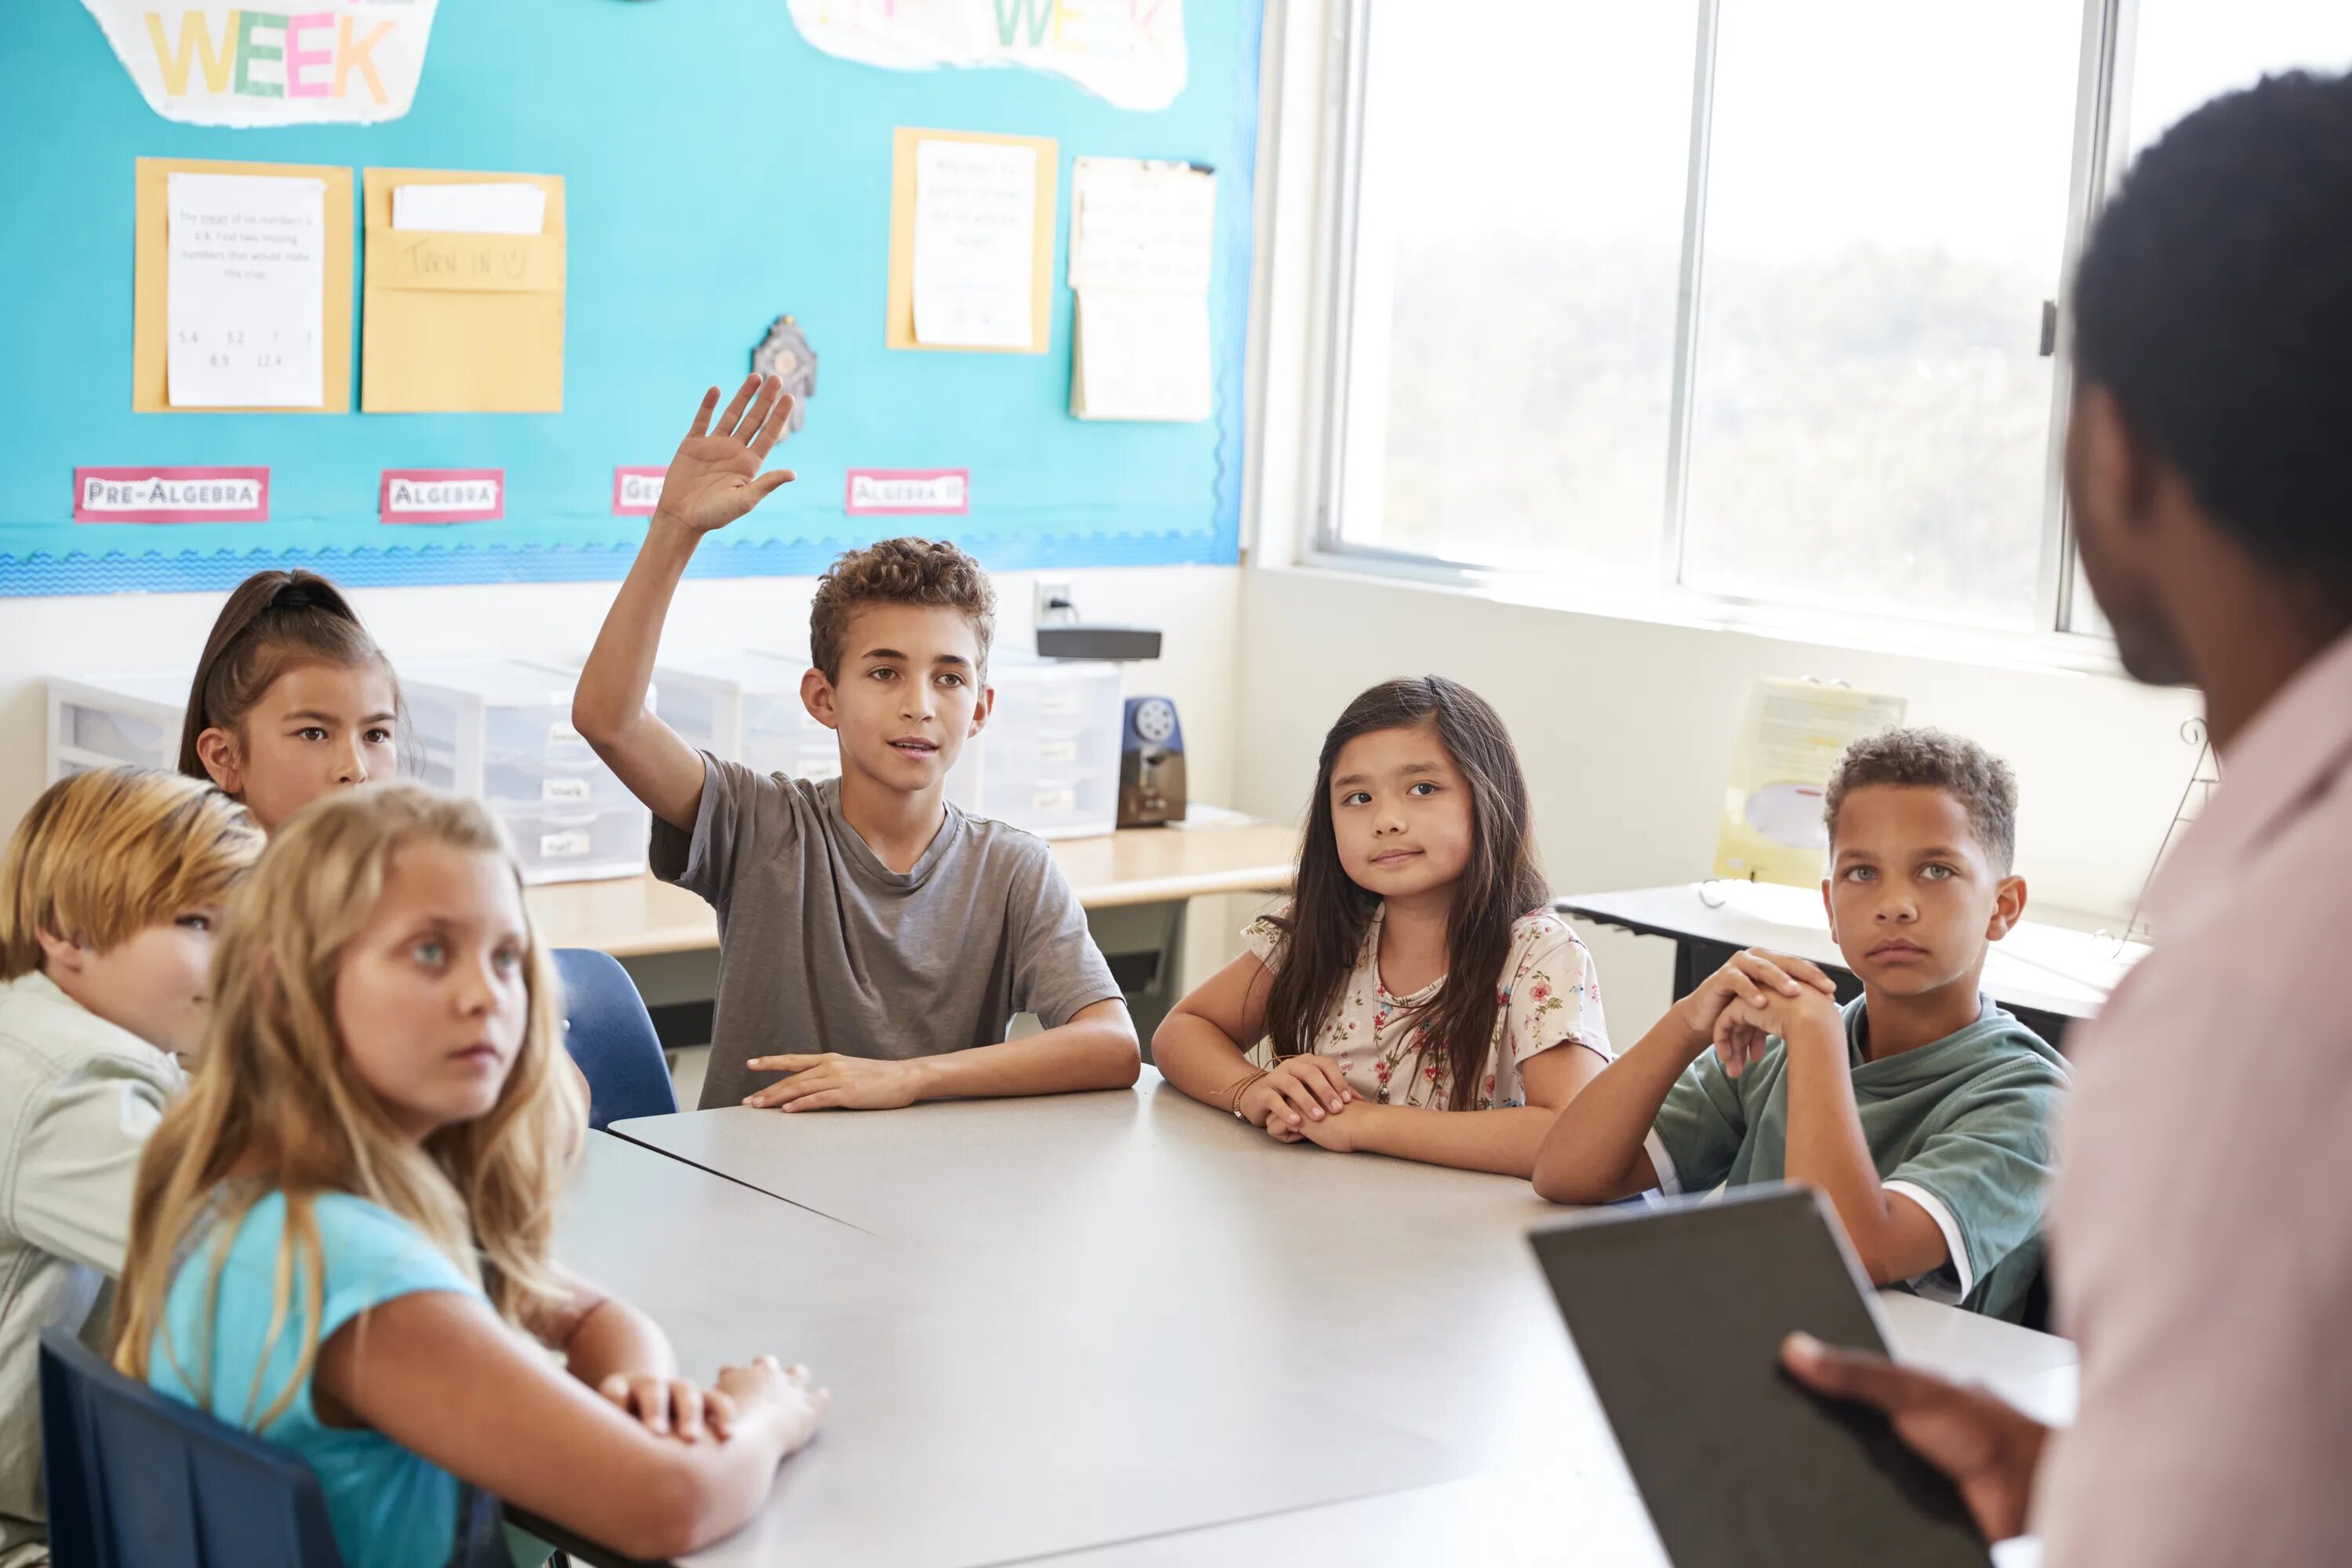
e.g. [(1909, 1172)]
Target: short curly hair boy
[(1933, 759), (897, 572)]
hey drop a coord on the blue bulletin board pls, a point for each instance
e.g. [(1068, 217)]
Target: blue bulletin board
[(719, 172)]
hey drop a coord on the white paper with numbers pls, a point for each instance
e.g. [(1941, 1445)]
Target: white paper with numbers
[(245, 291)]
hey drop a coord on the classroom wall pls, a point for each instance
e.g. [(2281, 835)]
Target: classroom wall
[(1626, 729), (136, 632), (718, 171)]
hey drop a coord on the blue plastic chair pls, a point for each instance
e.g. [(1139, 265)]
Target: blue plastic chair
[(137, 1480), (611, 1036)]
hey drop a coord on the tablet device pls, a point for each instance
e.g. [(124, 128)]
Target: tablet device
[(1678, 1313)]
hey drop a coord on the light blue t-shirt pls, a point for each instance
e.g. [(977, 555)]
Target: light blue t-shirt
[(390, 1508)]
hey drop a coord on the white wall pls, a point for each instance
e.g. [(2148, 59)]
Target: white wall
[(140, 632), (1626, 730), (1195, 607), (1626, 726)]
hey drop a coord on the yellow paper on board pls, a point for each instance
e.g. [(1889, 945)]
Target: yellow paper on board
[(469, 323), (150, 329), (1789, 743), (900, 299)]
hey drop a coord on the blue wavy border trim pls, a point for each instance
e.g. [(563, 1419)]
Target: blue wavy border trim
[(188, 572)]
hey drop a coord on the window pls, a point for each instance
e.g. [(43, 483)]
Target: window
[(1870, 404), (1517, 240), (1744, 303), (2179, 54), (2186, 51)]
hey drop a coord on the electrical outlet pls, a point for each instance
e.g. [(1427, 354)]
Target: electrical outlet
[(1052, 601)]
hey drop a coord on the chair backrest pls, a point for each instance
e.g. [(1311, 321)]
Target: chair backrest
[(611, 1036), (137, 1480)]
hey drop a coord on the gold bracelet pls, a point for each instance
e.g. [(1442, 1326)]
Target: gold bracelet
[(1234, 1098)]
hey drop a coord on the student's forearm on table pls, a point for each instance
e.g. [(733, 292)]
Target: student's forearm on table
[(1200, 1059), (1594, 1152), (615, 1337), (1503, 1141), (613, 683), (1095, 1052), (1826, 1150)]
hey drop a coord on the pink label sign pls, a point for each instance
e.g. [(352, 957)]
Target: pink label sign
[(905, 492), (171, 494), (443, 495), (634, 491)]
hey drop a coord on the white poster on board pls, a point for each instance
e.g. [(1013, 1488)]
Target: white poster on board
[(350, 62), (1130, 52), (975, 244), (1142, 252), (247, 288)]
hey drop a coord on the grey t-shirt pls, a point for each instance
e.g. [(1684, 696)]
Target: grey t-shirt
[(823, 948)]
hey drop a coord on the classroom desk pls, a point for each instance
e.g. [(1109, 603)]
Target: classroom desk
[(2049, 976), (1117, 1323), (1133, 885)]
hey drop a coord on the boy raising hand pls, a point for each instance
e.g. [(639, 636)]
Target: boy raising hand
[(874, 941)]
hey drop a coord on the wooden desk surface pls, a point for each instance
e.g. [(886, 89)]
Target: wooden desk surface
[(630, 916)]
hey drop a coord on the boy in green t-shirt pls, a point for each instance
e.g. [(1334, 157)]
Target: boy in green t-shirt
[(1923, 1110)]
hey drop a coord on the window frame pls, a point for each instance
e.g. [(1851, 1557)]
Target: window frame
[(2061, 635)]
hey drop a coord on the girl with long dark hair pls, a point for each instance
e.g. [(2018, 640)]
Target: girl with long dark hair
[(1418, 971)]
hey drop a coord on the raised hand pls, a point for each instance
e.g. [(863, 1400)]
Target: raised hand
[(715, 477)]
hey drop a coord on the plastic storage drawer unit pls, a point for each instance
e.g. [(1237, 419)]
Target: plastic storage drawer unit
[(746, 707), (501, 730), (1048, 760), (115, 721)]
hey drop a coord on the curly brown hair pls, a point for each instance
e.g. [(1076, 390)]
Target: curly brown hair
[(1933, 759), (897, 572)]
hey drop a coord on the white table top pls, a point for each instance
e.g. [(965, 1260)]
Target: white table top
[(2045, 967), (1125, 1323)]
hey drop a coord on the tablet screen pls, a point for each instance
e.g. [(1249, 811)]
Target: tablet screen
[(1678, 1315)]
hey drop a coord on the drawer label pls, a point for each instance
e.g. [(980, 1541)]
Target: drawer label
[(563, 789), (568, 846)]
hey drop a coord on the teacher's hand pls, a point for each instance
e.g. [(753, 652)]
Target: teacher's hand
[(1989, 1449)]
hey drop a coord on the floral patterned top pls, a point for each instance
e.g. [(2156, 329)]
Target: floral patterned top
[(1548, 994)]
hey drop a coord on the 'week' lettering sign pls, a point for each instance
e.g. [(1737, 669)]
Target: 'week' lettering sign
[(443, 495), (292, 62), (171, 494)]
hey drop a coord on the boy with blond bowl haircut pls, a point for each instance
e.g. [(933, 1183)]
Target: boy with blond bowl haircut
[(110, 894), (1922, 1109), (874, 941)]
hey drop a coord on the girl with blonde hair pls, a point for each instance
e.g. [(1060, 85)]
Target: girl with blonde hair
[(339, 1230)]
